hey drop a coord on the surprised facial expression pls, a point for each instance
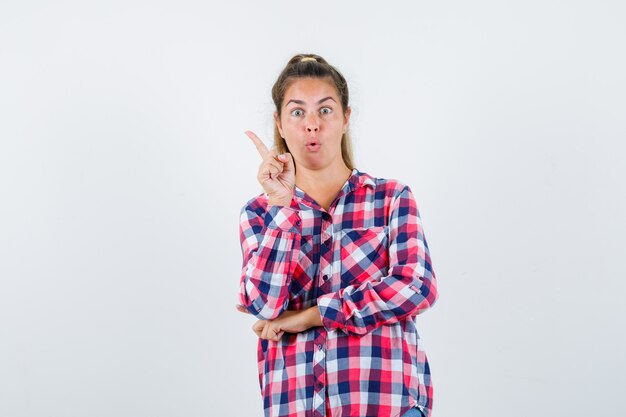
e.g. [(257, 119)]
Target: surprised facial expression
[(313, 122)]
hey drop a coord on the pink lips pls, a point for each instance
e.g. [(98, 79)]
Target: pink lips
[(313, 146)]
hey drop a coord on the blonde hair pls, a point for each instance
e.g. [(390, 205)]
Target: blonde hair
[(312, 66)]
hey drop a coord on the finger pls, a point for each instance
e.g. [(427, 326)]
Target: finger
[(277, 334), (264, 331), (257, 332), (287, 160), (242, 308), (268, 331), (272, 167), (258, 327), (260, 146), (274, 332)]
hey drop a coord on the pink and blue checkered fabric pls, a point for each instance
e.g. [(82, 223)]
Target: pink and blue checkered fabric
[(366, 265)]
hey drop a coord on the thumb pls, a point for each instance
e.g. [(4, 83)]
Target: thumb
[(287, 159)]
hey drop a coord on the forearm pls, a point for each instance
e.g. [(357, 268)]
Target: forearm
[(314, 318), (270, 242), (359, 310)]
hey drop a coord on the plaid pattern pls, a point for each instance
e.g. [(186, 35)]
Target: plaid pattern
[(367, 267)]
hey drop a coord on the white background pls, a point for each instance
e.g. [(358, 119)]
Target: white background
[(123, 167)]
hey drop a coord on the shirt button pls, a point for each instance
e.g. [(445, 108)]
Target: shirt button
[(298, 222), (325, 277), (319, 347)]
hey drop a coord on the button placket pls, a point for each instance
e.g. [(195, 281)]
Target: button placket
[(319, 374), (326, 252)]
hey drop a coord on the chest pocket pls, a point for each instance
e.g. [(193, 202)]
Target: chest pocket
[(364, 254)]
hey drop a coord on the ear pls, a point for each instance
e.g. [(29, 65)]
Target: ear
[(346, 118), (277, 121)]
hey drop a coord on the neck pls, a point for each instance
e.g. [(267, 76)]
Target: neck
[(313, 179)]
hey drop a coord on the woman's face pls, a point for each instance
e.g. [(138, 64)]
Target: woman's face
[(312, 122)]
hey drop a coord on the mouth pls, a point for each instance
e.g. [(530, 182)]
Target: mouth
[(313, 145)]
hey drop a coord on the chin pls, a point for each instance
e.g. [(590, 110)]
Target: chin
[(314, 164)]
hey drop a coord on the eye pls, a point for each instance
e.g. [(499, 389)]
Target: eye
[(296, 112), (326, 110)]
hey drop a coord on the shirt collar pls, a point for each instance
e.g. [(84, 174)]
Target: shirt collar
[(361, 179), (356, 180)]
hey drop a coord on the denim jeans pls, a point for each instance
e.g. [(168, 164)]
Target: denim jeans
[(413, 412)]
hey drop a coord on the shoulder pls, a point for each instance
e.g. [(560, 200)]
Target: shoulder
[(388, 187), (255, 205)]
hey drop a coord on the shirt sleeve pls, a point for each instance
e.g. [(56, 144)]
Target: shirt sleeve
[(270, 243), (409, 289)]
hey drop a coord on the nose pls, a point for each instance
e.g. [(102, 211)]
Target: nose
[(312, 124)]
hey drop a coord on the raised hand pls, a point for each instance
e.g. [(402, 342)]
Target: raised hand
[(277, 174)]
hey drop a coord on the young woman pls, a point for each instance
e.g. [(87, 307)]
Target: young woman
[(335, 265)]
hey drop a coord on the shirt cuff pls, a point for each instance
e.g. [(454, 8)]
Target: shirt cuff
[(283, 218), (331, 311)]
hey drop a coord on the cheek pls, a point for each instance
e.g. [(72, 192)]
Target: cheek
[(289, 127), (336, 123), (293, 148)]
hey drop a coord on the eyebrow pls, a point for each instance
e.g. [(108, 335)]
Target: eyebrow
[(302, 102)]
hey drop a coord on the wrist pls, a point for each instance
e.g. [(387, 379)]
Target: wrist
[(277, 202)]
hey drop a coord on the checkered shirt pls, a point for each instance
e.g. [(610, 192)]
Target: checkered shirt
[(366, 265)]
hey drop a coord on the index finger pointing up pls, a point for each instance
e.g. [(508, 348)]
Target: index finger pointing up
[(260, 146)]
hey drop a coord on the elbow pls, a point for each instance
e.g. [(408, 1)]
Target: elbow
[(264, 300), (426, 296), (430, 295), (433, 293), (261, 308), (268, 312), (434, 296)]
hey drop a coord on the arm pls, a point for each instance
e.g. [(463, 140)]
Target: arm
[(270, 243), (408, 289), (291, 321)]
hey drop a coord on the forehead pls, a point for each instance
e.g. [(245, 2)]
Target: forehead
[(310, 90)]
